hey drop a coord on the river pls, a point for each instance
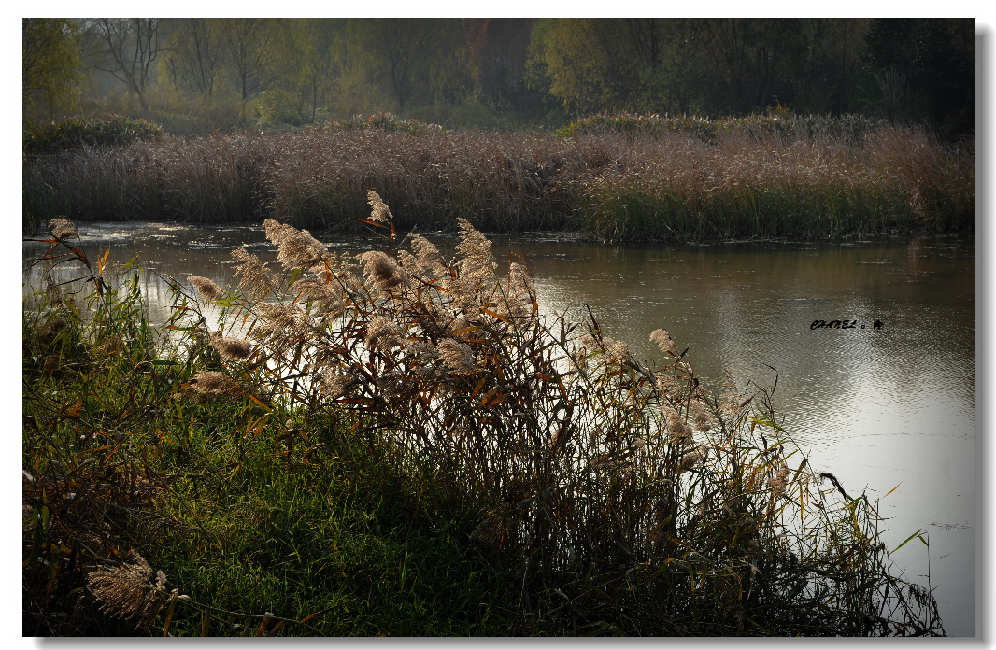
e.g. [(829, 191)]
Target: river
[(878, 406)]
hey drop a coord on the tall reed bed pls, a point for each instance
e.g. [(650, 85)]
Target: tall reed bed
[(598, 493), (679, 188), (616, 185)]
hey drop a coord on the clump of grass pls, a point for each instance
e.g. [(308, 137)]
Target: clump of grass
[(758, 187), (252, 518), (213, 178)]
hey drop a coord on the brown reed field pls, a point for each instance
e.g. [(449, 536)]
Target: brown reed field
[(694, 181), (398, 443)]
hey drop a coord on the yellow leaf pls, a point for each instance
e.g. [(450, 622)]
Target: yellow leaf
[(260, 402), (494, 314)]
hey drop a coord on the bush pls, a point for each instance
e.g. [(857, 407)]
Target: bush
[(114, 131), (278, 108), (779, 122), (381, 121)]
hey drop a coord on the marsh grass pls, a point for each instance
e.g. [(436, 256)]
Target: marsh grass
[(398, 443), (822, 179)]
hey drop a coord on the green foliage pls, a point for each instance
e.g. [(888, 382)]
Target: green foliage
[(380, 121), (50, 73), (778, 122), (114, 131), (575, 58), (504, 73), (193, 61), (278, 107)]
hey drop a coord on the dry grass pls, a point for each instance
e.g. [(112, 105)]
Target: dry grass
[(616, 186)]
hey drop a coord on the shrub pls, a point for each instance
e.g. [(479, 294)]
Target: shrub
[(383, 121), (780, 122), (114, 131)]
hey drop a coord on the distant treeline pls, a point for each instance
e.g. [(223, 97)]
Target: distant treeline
[(201, 75)]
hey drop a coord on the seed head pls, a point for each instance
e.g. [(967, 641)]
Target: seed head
[(325, 294), (130, 590), (252, 274), (333, 384), (780, 481), (680, 432), (206, 287), (231, 348), (379, 211), (382, 333), (691, 459), (299, 250), (211, 383), (476, 262), (458, 357), (381, 270), (616, 352), (281, 326), (701, 419), (520, 290), (663, 340), (62, 228), (427, 255), (276, 232)]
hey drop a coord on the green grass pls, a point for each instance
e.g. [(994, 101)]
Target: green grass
[(268, 521)]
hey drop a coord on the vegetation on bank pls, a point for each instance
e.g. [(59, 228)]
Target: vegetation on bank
[(851, 129), (624, 178), (399, 444), (114, 131)]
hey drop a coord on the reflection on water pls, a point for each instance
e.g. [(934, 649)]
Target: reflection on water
[(877, 407)]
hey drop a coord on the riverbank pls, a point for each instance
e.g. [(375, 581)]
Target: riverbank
[(703, 181), (424, 466)]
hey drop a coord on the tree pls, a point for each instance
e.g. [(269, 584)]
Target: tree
[(50, 66), (577, 64), (926, 70), (246, 44), (193, 55), (303, 62), (415, 60), (131, 46)]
